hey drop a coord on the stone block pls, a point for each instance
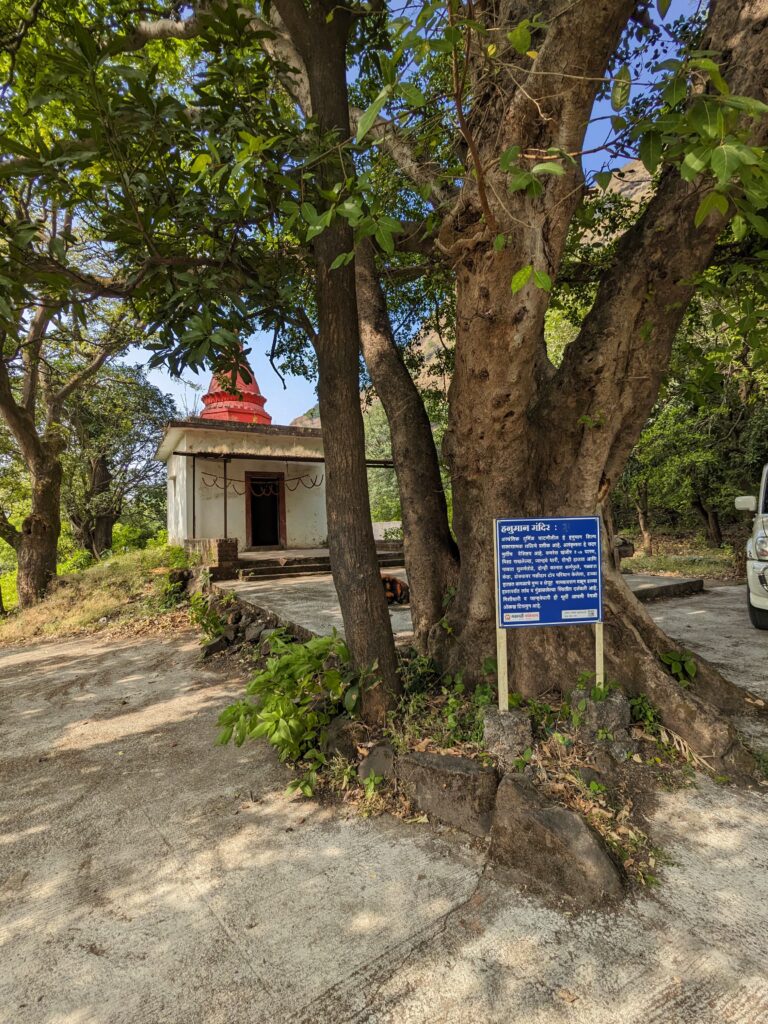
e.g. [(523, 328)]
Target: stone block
[(454, 790), (380, 760), (253, 632), (343, 737), (610, 717), (506, 734), (552, 845), (215, 646)]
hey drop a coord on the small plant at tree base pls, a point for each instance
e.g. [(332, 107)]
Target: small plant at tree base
[(302, 688), (645, 714), (205, 616), (370, 783), (682, 666), (597, 691), (521, 762)]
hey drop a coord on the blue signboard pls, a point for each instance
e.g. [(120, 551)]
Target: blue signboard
[(548, 572)]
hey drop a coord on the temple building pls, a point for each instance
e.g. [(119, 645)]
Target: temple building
[(234, 474)]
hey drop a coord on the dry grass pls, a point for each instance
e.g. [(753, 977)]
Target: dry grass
[(675, 556), (123, 590)]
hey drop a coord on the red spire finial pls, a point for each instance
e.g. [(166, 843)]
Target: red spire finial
[(243, 405)]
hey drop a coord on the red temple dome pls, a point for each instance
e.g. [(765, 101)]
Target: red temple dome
[(243, 405)]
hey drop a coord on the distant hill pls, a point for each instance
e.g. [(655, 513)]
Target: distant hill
[(311, 418)]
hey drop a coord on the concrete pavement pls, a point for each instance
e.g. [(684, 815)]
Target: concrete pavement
[(149, 877)]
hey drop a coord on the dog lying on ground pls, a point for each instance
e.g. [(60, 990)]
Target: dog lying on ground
[(397, 592)]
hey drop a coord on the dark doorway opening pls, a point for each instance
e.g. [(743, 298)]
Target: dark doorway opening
[(266, 515)]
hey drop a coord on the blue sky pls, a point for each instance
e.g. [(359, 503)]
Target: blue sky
[(299, 394)]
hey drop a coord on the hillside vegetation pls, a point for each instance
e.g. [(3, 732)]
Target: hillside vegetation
[(124, 591)]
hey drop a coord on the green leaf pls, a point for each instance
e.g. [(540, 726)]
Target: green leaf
[(708, 65), (662, 6), (622, 86), (726, 160), (86, 43), (200, 163), (309, 213), (603, 179), (675, 92), (739, 227), (650, 151), (550, 167), (713, 202), (499, 243), (509, 158), (696, 161), (542, 280), (412, 94), (520, 279), (369, 117), (520, 37), (342, 259)]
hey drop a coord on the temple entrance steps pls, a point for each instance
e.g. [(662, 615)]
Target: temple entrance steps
[(269, 565)]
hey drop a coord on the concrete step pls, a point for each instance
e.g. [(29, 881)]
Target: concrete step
[(271, 569)]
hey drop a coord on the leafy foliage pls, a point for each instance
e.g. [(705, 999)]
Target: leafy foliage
[(301, 689)]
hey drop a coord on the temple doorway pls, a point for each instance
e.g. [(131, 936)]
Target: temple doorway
[(265, 510)]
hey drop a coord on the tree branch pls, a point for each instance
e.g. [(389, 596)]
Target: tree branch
[(8, 531)]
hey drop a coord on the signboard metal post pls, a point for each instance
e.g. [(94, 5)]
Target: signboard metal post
[(502, 664), (548, 572)]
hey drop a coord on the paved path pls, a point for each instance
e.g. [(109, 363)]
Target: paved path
[(311, 600), (149, 877)]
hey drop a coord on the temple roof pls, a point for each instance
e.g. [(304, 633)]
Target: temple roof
[(243, 404)]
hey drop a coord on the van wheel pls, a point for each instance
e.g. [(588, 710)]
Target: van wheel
[(757, 616)]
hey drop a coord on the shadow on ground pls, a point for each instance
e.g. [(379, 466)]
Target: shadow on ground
[(149, 876)]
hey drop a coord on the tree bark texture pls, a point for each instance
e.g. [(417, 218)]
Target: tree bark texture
[(431, 555), (38, 538), (526, 438), (354, 560)]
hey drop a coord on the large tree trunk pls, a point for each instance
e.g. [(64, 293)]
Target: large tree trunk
[(38, 539), (431, 555), (354, 561), (97, 531)]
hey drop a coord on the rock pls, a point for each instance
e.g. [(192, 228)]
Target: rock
[(601, 719), (234, 616), (380, 761), (454, 790), (220, 643), (625, 548), (622, 747), (506, 734), (179, 577), (265, 647), (344, 737), (230, 632), (253, 632), (551, 844)]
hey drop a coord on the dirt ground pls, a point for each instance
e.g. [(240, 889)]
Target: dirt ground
[(149, 877)]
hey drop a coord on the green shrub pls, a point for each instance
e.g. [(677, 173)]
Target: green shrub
[(682, 665), (79, 560), (205, 617), (301, 689), (8, 590)]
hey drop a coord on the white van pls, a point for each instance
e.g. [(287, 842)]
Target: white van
[(757, 553)]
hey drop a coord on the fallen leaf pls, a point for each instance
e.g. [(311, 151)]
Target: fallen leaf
[(566, 995)]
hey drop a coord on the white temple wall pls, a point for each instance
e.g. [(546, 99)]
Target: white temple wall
[(179, 494), (305, 516)]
